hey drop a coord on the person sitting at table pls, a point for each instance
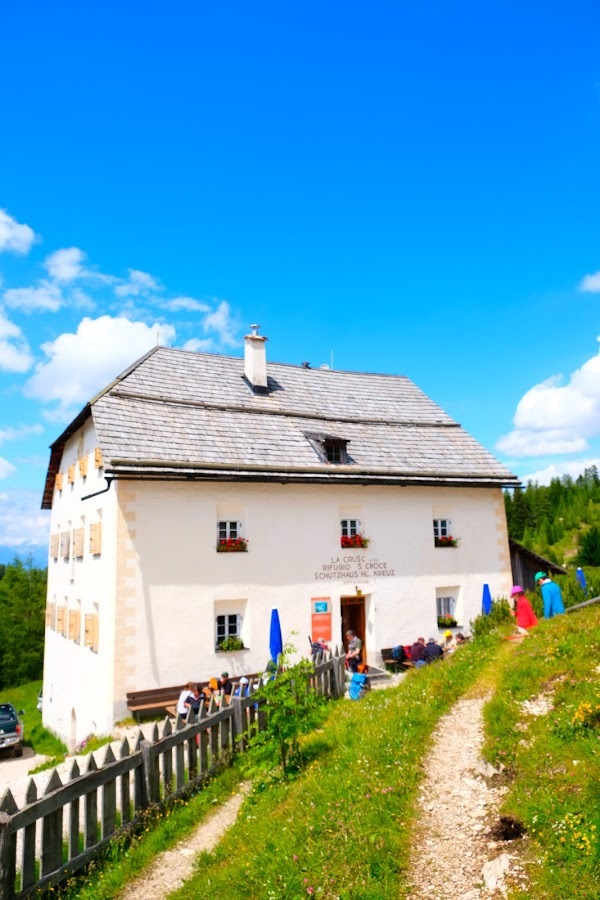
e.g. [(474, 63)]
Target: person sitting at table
[(417, 653), (225, 685), (183, 704), (195, 699), (433, 650)]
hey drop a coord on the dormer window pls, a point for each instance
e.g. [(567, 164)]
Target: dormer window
[(335, 450), (329, 449)]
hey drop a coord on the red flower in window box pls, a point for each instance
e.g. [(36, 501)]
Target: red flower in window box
[(232, 545), (446, 541), (355, 540)]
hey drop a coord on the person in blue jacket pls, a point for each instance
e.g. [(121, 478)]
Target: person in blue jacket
[(551, 595)]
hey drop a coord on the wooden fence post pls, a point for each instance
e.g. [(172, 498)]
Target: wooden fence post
[(8, 861), (150, 766), (239, 740)]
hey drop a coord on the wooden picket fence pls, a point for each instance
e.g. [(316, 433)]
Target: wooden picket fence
[(52, 836)]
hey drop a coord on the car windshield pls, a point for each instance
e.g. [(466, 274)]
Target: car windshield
[(7, 713)]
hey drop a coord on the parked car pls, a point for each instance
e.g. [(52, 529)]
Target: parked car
[(11, 729)]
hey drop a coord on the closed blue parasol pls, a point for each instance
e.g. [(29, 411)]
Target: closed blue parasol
[(486, 603), (580, 575), (275, 640)]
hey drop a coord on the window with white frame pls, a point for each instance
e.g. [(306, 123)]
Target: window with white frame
[(446, 606), (227, 529), (442, 528), (228, 625), (350, 527)]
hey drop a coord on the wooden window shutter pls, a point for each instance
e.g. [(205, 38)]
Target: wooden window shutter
[(96, 538), (58, 480), (83, 464), (78, 536), (71, 474), (91, 631), (74, 625), (61, 623), (54, 544), (65, 544), (98, 458), (48, 615)]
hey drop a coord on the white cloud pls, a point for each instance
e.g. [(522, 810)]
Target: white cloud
[(47, 296), (553, 417), (199, 346), (590, 284), (13, 434), (6, 468), (22, 523), (66, 264), (81, 364), (14, 236), (575, 468), (186, 303), (138, 284), (221, 322), (15, 355), (542, 443)]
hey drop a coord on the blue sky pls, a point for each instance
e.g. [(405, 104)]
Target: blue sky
[(405, 190)]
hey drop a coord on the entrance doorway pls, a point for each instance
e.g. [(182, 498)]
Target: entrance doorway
[(353, 619)]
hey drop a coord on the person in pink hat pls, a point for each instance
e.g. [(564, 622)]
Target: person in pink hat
[(524, 614)]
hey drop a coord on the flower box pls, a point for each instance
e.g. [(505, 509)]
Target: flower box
[(229, 644), (446, 622), (447, 541), (232, 545), (355, 540)]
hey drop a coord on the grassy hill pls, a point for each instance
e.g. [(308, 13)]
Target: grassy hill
[(343, 827)]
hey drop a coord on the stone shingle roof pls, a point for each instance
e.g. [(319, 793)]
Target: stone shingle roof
[(179, 414)]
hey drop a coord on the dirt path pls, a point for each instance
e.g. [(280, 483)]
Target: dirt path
[(170, 869), (454, 855)]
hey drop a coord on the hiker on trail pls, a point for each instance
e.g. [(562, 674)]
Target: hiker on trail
[(183, 704), (433, 650), (418, 654), (354, 654), (448, 644), (523, 612), (551, 595)]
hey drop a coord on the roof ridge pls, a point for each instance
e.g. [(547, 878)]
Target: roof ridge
[(292, 414), (287, 365)]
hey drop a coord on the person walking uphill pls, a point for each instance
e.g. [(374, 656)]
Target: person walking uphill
[(524, 614), (551, 595)]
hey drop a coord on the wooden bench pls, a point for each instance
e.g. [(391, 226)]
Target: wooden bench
[(395, 664), (154, 699), (165, 699)]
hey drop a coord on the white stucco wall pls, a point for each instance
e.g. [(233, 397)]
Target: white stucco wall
[(294, 536), (159, 581), (78, 682)]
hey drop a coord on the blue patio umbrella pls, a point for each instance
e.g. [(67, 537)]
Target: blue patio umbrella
[(580, 575), (275, 640), (486, 603)]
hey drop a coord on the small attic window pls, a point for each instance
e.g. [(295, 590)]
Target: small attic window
[(329, 448), (335, 450)]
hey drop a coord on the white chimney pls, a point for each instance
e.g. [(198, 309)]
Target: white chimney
[(255, 360)]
